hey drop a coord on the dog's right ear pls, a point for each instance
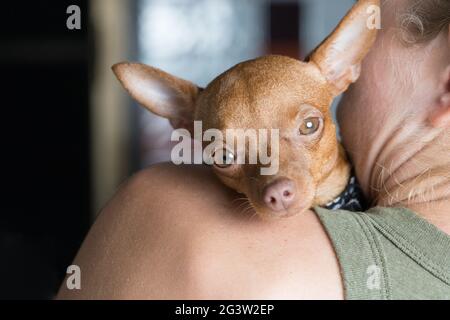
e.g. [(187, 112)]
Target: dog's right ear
[(161, 93)]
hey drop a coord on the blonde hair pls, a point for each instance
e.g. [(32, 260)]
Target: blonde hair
[(424, 20)]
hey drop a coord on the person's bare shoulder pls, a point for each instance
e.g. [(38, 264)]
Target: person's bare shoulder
[(178, 233)]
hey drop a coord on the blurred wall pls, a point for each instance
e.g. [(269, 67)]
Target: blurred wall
[(113, 32), (319, 18)]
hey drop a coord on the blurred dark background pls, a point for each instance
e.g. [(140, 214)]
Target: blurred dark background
[(45, 150), (70, 135)]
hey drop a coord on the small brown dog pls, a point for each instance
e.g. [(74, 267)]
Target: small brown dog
[(272, 92)]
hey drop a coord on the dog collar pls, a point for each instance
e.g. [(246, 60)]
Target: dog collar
[(351, 199)]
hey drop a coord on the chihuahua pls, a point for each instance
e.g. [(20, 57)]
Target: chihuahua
[(273, 92)]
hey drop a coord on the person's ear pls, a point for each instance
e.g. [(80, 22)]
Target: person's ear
[(339, 57), (161, 93), (440, 116)]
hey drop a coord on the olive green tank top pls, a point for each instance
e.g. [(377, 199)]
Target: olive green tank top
[(389, 253)]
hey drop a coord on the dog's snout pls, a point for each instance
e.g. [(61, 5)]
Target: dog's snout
[(279, 195)]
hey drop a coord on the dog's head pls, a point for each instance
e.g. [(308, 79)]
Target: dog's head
[(274, 108)]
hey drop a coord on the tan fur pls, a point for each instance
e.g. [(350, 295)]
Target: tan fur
[(270, 92)]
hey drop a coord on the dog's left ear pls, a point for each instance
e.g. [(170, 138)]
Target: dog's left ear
[(339, 57)]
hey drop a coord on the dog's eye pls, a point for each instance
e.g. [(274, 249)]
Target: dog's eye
[(309, 126), (223, 158)]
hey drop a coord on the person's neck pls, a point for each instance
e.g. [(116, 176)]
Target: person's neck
[(413, 171)]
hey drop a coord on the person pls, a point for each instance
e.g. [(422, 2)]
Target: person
[(175, 232)]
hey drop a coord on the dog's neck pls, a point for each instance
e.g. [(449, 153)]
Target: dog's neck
[(336, 182)]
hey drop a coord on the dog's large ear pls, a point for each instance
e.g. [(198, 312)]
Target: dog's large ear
[(161, 93), (339, 57)]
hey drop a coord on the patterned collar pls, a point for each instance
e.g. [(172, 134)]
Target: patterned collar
[(351, 199)]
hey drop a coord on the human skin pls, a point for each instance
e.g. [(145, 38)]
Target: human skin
[(177, 233), (395, 123)]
